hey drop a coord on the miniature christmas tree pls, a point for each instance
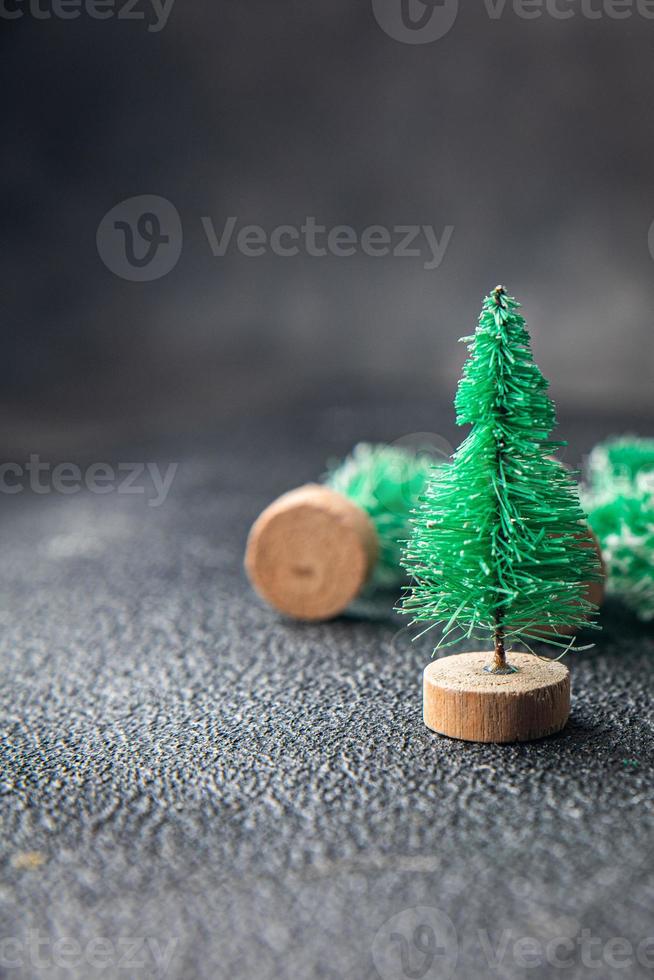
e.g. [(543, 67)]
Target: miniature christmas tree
[(498, 549)]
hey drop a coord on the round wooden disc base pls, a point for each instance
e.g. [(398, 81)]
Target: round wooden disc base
[(310, 552), (464, 701)]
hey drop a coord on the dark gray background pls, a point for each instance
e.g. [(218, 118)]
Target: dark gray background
[(179, 763), (533, 138)]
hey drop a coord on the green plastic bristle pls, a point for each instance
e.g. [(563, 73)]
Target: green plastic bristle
[(495, 547), (620, 504), (385, 482)]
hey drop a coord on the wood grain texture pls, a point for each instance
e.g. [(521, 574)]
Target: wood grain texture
[(463, 701), (310, 552)]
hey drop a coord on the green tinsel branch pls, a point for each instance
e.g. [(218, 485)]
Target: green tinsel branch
[(386, 482), (620, 503)]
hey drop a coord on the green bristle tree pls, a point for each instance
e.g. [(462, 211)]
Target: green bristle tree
[(498, 549)]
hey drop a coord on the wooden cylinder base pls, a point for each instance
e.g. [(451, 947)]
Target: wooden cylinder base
[(310, 552), (463, 701)]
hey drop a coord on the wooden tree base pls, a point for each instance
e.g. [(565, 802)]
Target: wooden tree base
[(463, 701), (310, 552)]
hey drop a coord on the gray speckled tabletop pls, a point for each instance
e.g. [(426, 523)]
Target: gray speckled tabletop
[(193, 787)]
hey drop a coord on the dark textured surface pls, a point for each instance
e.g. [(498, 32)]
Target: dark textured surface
[(532, 136), (264, 794)]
